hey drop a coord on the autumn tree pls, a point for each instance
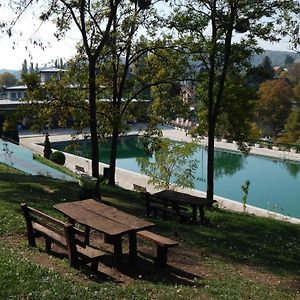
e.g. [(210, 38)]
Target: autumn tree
[(292, 128), (274, 105), (7, 79), (208, 28)]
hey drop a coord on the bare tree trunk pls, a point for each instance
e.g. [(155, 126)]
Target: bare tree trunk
[(93, 124), (113, 156), (210, 161)]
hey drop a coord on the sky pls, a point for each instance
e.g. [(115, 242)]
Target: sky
[(14, 50)]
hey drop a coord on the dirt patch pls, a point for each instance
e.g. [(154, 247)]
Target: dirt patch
[(185, 266)]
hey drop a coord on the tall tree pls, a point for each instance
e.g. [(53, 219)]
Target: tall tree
[(24, 70), (264, 71), (292, 128), (210, 26), (274, 105), (289, 60), (94, 20)]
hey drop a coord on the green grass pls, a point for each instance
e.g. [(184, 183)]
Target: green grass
[(239, 256)]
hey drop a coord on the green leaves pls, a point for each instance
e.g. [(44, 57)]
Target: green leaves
[(173, 165)]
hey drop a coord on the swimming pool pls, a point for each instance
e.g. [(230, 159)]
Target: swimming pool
[(274, 184)]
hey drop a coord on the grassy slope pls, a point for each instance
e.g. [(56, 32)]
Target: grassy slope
[(241, 256)]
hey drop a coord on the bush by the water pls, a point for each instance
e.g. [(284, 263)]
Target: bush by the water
[(58, 158)]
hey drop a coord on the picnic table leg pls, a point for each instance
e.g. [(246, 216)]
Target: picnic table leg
[(194, 217), (132, 248), (87, 235), (117, 242)]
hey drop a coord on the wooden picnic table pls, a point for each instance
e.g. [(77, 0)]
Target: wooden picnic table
[(195, 202), (111, 221)]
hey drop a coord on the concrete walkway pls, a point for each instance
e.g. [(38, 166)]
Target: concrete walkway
[(125, 178)]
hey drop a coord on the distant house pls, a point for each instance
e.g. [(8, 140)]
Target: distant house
[(47, 74), (278, 70), (15, 93), (188, 93), (10, 97)]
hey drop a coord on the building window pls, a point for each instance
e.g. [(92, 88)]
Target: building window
[(13, 95)]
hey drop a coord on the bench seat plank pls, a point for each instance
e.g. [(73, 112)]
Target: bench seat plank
[(158, 239), (162, 245), (57, 238)]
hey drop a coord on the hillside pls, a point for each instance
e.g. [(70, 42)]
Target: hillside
[(277, 57), (15, 72)]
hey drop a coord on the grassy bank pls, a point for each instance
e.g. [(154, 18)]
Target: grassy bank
[(237, 256)]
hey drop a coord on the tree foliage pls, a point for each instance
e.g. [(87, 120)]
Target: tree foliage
[(207, 28), (7, 79), (274, 104), (292, 128), (173, 165)]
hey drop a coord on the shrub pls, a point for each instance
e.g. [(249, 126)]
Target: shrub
[(58, 158)]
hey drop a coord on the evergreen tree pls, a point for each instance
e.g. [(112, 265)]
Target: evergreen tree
[(24, 70), (47, 147), (31, 68), (289, 60)]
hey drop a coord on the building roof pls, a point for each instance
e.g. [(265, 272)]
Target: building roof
[(17, 87), (51, 70)]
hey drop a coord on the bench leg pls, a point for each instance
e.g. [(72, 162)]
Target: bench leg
[(161, 255), (94, 265), (48, 245)]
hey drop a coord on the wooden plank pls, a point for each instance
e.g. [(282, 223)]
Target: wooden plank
[(89, 252), (174, 196), (58, 238), (90, 218), (116, 215), (158, 239)]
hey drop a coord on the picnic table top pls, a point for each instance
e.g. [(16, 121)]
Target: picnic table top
[(102, 217), (179, 197)]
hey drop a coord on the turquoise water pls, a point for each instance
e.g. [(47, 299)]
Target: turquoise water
[(274, 184)]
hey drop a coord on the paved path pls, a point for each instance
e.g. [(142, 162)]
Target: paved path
[(126, 178), (22, 159)]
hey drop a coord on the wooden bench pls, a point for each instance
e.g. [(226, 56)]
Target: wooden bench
[(62, 234), (162, 245), (139, 188), (155, 205), (79, 170)]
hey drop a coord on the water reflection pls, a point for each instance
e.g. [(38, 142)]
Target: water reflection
[(128, 147), (228, 163), (292, 168)]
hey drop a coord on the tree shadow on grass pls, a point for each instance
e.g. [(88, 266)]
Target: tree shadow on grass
[(243, 238)]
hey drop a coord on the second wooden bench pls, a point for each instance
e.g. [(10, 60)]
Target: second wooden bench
[(162, 245), (155, 205)]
